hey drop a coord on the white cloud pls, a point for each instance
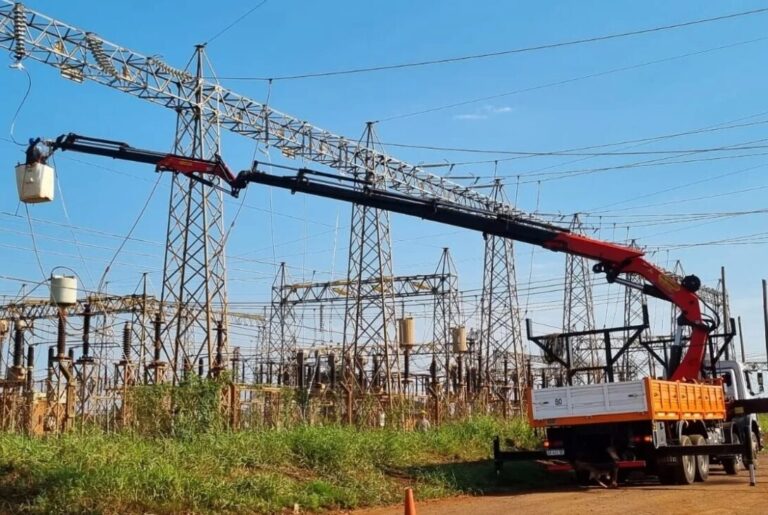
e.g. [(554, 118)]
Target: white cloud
[(499, 110), (484, 112), (472, 116)]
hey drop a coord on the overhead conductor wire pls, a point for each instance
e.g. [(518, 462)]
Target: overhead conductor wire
[(18, 66), (546, 46), (238, 20)]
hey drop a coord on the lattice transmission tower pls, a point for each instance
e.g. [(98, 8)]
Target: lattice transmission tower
[(194, 273), (370, 310), (446, 314), (634, 360), (579, 314), (282, 340), (500, 335)]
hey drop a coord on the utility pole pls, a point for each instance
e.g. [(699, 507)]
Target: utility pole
[(726, 320), (765, 316), (741, 340)]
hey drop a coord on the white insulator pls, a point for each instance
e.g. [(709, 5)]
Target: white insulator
[(459, 339), (19, 31), (63, 290), (407, 331), (96, 46), (178, 74)]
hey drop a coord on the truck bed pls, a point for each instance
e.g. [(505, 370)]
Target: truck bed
[(647, 399)]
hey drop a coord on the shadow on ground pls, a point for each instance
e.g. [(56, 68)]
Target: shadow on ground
[(480, 477)]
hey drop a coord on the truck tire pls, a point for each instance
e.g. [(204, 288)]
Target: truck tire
[(732, 464), (684, 468), (582, 477), (666, 474), (755, 450), (702, 460)]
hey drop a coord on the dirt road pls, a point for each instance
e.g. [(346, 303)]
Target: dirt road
[(721, 494)]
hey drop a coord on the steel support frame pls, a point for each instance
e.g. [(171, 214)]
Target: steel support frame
[(610, 357)]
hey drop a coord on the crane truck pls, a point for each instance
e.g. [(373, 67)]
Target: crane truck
[(674, 427)]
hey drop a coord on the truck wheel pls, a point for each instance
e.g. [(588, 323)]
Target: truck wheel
[(666, 474), (732, 464), (685, 466), (702, 460), (755, 450), (582, 477), (623, 476)]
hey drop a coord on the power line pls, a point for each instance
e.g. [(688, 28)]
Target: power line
[(546, 46), (645, 164), (760, 238), (34, 241), (633, 142), (556, 153), (562, 82), (21, 105), (534, 176), (740, 171), (690, 199), (238, 20)]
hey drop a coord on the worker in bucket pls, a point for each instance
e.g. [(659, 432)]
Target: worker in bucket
[(37, 152)]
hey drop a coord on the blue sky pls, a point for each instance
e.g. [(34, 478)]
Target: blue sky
[(714, 87)]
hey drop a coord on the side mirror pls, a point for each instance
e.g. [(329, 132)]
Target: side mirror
[(727, 379)]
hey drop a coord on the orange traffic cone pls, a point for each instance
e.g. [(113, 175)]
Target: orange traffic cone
[(410, 506)]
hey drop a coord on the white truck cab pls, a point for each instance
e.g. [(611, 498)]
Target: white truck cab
[(742, 382)]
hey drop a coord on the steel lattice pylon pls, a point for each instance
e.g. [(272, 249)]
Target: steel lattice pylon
[(282, 325), (447, 313), (370, 315), (579, 312), (500, 336), (634, 360), (194, 274)]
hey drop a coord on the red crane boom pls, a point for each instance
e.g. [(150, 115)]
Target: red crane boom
[(619, 263)]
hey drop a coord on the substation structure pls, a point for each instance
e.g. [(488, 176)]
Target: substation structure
[(77, 365), (92, 354)]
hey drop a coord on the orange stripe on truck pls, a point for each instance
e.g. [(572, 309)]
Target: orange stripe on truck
[(666, 400)]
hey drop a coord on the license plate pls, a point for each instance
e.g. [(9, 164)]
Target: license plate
[(555, 452)]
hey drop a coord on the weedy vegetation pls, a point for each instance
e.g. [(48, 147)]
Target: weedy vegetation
[(191, 463)]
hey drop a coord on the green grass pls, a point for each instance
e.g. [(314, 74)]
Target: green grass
[(266, 471)]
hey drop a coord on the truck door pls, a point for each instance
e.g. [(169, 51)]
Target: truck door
[(731, 394)]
